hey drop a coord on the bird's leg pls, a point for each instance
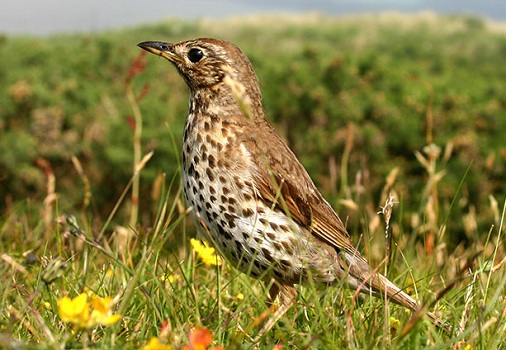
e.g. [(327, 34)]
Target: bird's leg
[(287, 294)]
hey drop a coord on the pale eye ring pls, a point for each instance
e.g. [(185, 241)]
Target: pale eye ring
[(195, 55)]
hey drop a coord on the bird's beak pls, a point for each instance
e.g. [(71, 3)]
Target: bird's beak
[(161, 49)]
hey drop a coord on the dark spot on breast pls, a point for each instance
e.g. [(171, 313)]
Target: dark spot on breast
[(239, 246), (288, 247), (267, 254), (208, 206), (232, 200), (285, 263), (211, 161), (229, 217), (224, 199), (212, 190), (201, 186), (247, 212), (233, 253), (191, 170), (210, 174), (247, 197), (222, 179), (210, 141), (196, 160), (278, 274), (225, 190), (224, 132), (238, 183), (224, 233), (263, 221), (277, 245), (207, 126), (284, 228), (271, 235), (212, 199), (273, 225)]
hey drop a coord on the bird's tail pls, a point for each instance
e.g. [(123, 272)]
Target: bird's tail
[(369, 281), (384, 285)]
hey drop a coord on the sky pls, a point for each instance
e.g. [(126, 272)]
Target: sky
[(43, 17)]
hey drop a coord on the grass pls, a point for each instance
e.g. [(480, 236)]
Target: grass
[(162, 288), (175, 291)]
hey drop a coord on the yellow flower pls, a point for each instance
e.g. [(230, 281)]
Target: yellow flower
[(411, 288), (109, 273), (101, 311), (205, 252), (174, 277), (240, 296), (395, 324), (84, 314), (76, 311), (154, 344)]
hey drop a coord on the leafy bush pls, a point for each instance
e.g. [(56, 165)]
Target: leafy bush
[(377, 82)]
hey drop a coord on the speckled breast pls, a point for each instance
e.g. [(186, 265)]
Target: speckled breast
[(255, 238)]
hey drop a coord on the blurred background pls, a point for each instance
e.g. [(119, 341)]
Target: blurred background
[(407, 97), (51, 16)]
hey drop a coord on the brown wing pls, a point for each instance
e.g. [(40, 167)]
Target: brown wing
[(282, 180)]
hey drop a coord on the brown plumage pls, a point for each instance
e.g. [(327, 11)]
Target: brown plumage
[(251, 196)]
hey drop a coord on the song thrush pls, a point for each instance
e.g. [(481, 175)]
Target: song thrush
[(252, 198)]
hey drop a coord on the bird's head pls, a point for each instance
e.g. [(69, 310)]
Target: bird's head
[(205, 62)]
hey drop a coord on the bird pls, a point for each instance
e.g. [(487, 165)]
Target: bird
[(250, 196)]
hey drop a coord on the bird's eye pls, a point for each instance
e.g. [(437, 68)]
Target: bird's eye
[(195, 55)]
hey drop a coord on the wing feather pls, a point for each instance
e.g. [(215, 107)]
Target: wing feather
[(281, 180)]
